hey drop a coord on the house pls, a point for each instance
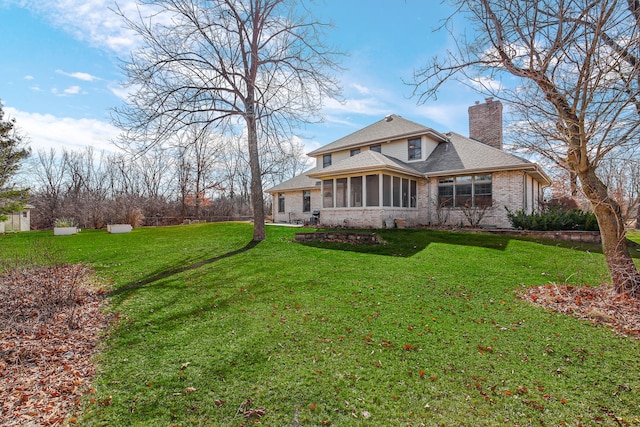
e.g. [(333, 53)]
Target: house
[(396, 172), (17, 221)]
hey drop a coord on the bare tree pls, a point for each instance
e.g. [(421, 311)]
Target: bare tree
[(199, 154), (182, 169), (88, 188), (576, 73), (255, 67), (49, 178), (236, 171), (283, 161)]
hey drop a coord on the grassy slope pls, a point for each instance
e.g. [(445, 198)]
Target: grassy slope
[(427, 329)]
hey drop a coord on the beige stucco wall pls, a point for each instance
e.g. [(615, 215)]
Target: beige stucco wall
[(293, 206), (396, 149)]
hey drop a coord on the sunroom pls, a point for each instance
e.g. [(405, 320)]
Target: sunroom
[(368, 189)]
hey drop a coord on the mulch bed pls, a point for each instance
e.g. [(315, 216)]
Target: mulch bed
[(50, 323), (597, 304)]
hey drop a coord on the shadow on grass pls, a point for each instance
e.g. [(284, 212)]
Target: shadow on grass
[(176, 268), (406, 243)]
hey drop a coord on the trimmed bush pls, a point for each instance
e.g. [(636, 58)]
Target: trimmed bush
[(554, 219)]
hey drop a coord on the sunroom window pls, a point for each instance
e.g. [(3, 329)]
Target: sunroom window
[(341, 193), (327, 193), (372, 190), (356, 191)]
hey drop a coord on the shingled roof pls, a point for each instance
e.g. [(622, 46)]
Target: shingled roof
[(454, 155), (363, 162), (460, 153), (299, 182), (392, 127)]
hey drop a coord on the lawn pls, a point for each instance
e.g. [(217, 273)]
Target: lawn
[(425, 330)]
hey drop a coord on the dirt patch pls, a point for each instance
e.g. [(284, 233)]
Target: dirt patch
[(50, 324), (598, 304)]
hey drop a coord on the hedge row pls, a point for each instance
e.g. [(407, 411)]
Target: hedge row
[(554, 220)]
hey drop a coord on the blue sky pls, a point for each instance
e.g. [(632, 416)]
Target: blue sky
[(60, 71)]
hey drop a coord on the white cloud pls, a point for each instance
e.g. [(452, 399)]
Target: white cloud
[(79, 75), (370, 106), (361, 89), (45, 131), (28, 77), (72, 90), (119, 44), (121, 91), (450, 116), (93, 21), (483, 84)]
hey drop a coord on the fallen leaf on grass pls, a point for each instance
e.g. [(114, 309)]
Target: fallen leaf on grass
[(255, 413), (483, 349), (410, 347)]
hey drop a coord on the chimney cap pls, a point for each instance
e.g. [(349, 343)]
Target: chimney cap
[(489, 100)]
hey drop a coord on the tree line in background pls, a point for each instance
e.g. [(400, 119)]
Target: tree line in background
[(199, 177)]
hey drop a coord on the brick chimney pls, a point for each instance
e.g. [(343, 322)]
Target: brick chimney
[(485, 122)]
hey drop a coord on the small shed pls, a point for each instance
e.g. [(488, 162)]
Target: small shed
[(17, 221)]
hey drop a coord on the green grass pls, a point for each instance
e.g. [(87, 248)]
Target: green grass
[(425, 330)]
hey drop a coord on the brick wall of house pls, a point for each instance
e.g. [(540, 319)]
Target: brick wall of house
[(368, 217), (507, 189)]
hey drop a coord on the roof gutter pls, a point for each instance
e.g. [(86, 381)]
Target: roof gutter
[(356, 171)]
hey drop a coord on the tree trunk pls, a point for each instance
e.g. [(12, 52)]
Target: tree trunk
[(624, 274), (256, 181)]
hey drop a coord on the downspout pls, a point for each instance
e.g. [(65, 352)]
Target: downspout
[(524, 192), (381, 191), (428, 205)]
